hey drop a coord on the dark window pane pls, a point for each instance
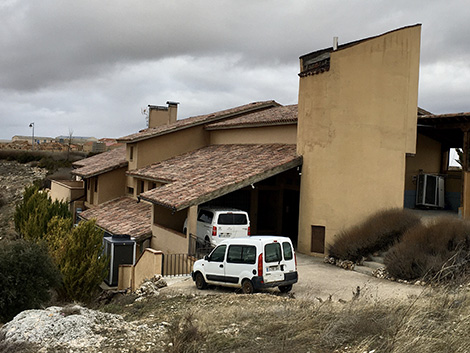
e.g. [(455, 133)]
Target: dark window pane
[(287, 251), (273, 252)]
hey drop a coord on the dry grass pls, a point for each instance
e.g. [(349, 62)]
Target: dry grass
[(436, 321), (437, 251), (376, 233)]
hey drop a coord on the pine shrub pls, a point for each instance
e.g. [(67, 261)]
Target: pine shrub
[(35, 211), (376, 233), (436, 251), (78, 253), (26, 274)]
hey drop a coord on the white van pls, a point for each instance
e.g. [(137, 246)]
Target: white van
[(216, 224), (249, 263)]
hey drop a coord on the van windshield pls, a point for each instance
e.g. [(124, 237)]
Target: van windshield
[(232, 218), (272, 252)]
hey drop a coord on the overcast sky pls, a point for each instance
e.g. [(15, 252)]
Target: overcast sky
[(91, 66)]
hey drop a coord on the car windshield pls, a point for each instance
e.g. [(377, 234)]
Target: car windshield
[(232, 218)]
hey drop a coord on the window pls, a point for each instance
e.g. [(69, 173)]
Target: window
[(205, 216), (142, 184), (96, 184), (218, 254), (130, 190), (232, 218), (131, 153), (154, 185), (241, 254), (272, 252), (287, 249)]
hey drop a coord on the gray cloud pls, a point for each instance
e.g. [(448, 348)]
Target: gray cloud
[(91, 65)]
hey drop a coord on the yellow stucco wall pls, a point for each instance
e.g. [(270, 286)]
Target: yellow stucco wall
[(110, 185), (66, 190), (266, 134), (356, 122), (166, 146)]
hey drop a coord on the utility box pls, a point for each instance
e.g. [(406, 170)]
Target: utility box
[(120, 251)]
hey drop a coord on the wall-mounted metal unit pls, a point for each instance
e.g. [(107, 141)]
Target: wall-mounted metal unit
[(120, 251), (430, 191)]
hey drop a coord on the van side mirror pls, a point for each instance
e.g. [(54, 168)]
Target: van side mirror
[(206, 257)]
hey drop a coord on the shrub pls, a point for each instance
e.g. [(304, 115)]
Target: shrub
[(35, 211), (26, 275), (438, 250), (78, 253), (376, 233)]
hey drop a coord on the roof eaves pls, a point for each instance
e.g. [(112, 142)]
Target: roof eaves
[(249, 125), (102, 171), (211, 118), (228, 188)]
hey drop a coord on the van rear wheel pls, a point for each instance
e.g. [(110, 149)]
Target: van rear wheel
[(247, 287), (285, 289), (200, 281)]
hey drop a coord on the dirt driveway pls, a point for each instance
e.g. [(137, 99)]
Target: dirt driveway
[(319, 280)]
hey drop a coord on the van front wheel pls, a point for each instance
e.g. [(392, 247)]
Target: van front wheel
[(247, 287), (200, 282), (285, 289)]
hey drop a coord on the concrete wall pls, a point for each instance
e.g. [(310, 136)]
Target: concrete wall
[(356, 123), (267, 134)]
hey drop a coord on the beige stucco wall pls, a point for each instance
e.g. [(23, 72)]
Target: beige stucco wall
[(356, 122), (149, 264), (66, 190), (167, 231), (427, 159), (162, 147), (110, 185), (266, 134)]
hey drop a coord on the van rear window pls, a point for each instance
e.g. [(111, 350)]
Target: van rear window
[(287, 249), (232, 218), (272, 252)]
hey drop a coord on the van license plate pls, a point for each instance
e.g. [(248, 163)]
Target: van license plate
[(225, 235), (272, 268)]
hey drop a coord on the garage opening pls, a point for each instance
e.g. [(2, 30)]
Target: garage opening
[(273, 204)]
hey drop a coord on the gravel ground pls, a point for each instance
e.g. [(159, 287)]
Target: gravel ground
[(319, 281)]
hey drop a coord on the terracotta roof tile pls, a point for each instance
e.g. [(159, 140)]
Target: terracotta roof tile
[(213, 171), (122, 216), (101, 163), (196, 120), (274, 116)]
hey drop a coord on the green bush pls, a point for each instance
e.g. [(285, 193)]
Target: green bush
[(78, 253), (35, 211), (376, 233), (434, 251), (26, 275)]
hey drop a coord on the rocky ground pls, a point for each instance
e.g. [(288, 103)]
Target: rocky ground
[(14, 177)]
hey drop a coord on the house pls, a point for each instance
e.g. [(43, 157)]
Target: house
[(355, 144)]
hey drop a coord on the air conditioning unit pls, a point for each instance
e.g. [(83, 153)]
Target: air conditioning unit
[(430, 191), (120, 251)]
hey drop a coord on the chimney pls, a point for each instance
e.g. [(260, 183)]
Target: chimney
[(335, 43), (160, 115)]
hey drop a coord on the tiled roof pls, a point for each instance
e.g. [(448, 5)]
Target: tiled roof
[(444, 118), (274, 116), (213, 171), (122, 216), (197, 120), (101, 163)]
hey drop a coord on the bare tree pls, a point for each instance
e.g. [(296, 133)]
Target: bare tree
[(69, 144)]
